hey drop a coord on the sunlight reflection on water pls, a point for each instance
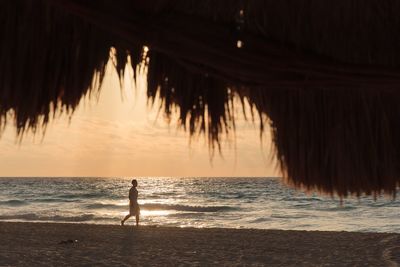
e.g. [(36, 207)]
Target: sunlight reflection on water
[(192, 202)]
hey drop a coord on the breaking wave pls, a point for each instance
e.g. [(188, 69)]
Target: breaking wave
[(157, 206)]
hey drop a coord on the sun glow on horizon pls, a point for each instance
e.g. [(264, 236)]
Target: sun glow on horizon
[(117, 134)]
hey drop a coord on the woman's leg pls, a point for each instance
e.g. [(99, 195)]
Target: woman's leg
[(126, 218), (137, 219)]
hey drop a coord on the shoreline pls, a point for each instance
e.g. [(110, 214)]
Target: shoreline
[(40, 243), (132, 224)]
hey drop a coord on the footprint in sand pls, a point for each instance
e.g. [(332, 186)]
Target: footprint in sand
[(391, 255)]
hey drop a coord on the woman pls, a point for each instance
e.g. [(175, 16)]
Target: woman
[(133, 204)]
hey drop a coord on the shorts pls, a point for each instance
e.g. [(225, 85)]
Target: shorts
[(134, 209)]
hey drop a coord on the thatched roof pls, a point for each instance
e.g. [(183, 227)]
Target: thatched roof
[(326, 73)]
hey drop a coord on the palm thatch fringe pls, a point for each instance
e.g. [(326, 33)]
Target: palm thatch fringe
[(348, 139), (326, 74), (47, 58), (204, 102)]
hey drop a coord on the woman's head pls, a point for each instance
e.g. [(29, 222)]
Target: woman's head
[(134, 182)]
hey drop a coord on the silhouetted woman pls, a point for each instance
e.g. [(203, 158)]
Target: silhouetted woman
[(134, 209)]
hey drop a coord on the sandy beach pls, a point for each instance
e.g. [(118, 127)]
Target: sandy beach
[(34, 244)]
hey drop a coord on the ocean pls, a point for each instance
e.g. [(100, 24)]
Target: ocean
[(262, 203)]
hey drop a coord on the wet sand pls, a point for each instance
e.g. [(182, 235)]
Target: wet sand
[(39, 244)]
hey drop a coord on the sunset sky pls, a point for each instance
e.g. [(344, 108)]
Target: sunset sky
[(122, 136)]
